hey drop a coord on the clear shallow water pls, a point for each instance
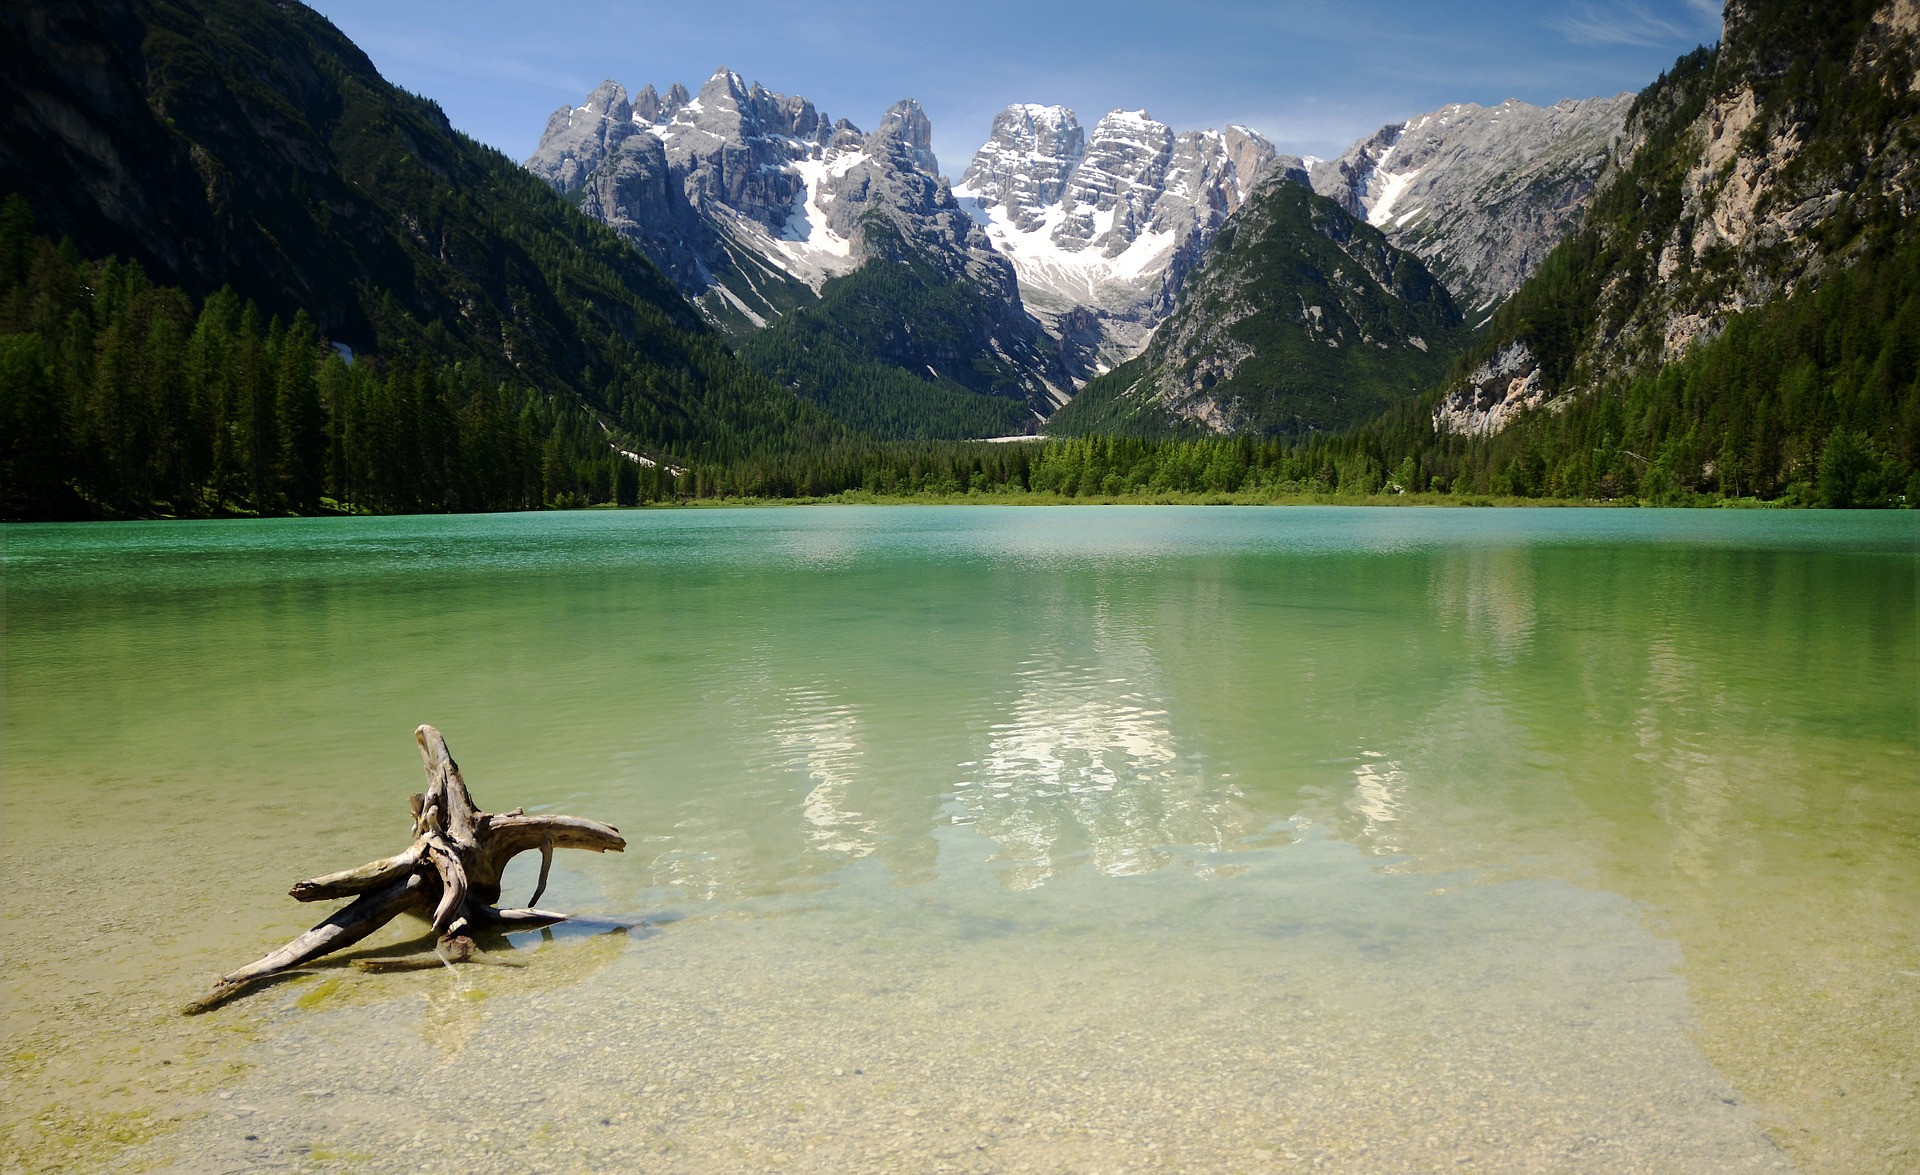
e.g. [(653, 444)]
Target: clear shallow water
[(999, 839)]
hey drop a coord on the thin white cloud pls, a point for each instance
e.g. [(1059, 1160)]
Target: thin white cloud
[(1633, 23)]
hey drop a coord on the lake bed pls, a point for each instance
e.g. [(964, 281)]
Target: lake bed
[(1121, 838)]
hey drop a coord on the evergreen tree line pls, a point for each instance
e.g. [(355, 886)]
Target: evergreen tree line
[(122, 398), (1091, 468), (875, 398), (1811, 400)]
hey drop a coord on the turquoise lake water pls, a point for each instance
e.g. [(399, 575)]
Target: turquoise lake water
[(1023, 838)]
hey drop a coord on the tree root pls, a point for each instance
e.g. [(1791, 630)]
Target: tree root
[(450, 875)]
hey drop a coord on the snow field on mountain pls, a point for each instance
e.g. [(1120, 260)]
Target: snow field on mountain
[(1043, 263), (806, 235)]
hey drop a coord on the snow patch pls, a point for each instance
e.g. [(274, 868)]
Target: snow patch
[(1393, 186), (806, 230)]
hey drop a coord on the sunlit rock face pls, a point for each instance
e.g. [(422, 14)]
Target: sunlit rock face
[(1480, 194), (1102, 227), (751, 199), (1506, 384)]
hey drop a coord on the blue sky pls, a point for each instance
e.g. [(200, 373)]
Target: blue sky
[(1312, 75)]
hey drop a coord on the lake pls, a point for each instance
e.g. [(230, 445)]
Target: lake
[(995, 839)]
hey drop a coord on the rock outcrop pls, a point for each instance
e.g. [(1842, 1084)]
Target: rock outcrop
[(1500, 388)]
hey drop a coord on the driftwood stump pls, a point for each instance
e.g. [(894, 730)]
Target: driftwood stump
[(450, 874)]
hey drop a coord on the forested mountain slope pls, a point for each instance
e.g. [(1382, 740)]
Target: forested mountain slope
[(899, 350), (1300, 319), (246, 144), (1740, 297), (1103, 226)]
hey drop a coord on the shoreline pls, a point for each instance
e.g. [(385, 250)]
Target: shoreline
[(860, 498), (853, 498)]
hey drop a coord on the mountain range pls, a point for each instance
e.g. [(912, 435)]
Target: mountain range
[(1711, 286), (753, 202), (1059, 252)]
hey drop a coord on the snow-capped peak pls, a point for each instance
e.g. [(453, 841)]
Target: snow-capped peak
[(1106, 221)]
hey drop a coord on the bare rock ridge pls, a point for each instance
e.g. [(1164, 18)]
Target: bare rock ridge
[(1481, 194), (717, 188), (1102, 228), (751, 200)]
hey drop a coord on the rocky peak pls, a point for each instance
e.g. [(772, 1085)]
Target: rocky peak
[(908, 125), (728, 109), (577, 138), (718, 106), (1026, 161), (1210, 175), (647, 106), (609, 100), (1250, 153), (1122, 174), (1103, 227)]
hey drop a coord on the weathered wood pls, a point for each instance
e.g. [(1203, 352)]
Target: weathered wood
[(450, 875), (453, 881), (546, 863), (525, 918), (517, 834), (348, 882)]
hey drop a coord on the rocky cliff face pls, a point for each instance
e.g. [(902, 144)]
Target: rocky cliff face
[(1482, 194), (1102, 228), (1742, 175), (718, 188), (752, 200), (1300, 318)]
